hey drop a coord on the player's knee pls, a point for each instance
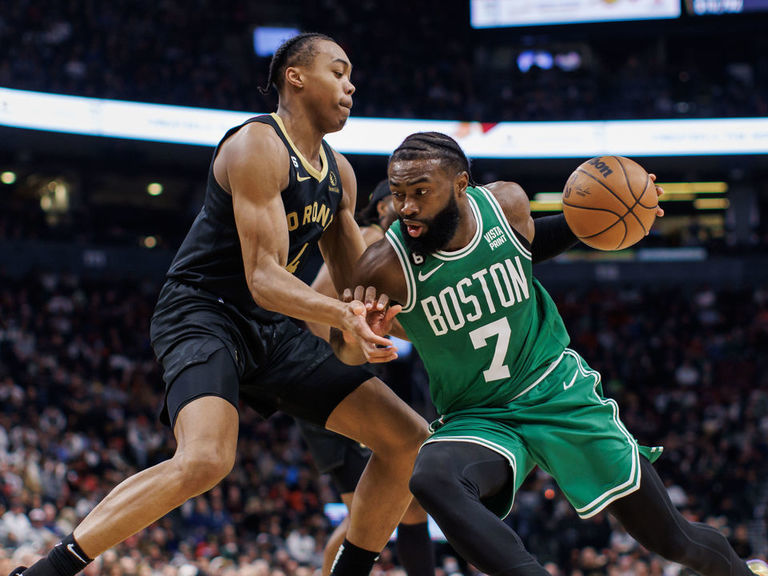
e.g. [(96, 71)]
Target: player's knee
[(432, 481), (202, 468), (415, 434), (419, 486), (403, 440)]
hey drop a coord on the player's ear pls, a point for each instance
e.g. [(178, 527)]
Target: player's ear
[(293, 77), (461, 182)]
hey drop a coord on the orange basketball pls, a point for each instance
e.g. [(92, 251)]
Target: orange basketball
[(610, 202)]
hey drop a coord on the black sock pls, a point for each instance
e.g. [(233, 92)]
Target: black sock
[(66, 559), (352, 560), (415, 550)]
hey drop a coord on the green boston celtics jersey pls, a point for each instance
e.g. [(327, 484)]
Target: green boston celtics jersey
[(484, 327)]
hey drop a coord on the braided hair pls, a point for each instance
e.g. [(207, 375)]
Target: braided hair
[(297, 51), (433, 146)]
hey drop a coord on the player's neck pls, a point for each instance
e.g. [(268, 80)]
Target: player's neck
[(302, 131)]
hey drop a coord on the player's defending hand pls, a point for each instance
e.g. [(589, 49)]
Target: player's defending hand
[(380, 315), (360, 342)]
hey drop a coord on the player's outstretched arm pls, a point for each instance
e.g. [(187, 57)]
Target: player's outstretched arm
[(380, 269), (255, 163), (324, 284)]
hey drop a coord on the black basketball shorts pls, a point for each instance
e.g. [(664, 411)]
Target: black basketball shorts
[(341, 457), (270, 366)]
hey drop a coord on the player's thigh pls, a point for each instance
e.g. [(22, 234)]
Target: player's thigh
[(202, 404), (212, 372), (478, 451), (374, 415)]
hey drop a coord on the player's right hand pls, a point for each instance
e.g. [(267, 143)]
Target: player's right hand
[(369, 318)]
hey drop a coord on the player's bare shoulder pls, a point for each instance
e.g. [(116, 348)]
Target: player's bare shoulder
[(379, 267), (255, 148), (515, 204)]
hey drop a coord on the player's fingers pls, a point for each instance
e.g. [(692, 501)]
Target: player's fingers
[(659, 212), (360, 293), (652, 177), (379, 355), (371, 337), (370, 297), (382, 301), (390, 314), (346, 296)]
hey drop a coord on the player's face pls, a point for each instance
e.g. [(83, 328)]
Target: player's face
[(424, 198), (328, 85)]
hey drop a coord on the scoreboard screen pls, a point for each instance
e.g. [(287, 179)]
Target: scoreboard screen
[(503, 13)]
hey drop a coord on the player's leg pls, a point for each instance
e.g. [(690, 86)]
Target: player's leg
[(336, 537), (651, 518), (414, 545), (309, 382), (206, 433), (374, 415), (344, 460), (453, 481)]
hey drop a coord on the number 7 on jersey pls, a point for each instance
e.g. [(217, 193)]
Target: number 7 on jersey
[(499, 328)]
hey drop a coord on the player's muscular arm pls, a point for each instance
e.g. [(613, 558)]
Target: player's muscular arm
[(255, 170), (380, 268), (324, 284), (549, 235)]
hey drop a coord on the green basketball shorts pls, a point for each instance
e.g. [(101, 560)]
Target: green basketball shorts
[(563, 424)]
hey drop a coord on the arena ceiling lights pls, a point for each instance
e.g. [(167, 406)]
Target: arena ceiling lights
[(379, 136)]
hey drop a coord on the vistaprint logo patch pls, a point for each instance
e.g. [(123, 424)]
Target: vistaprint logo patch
[(495, 237)]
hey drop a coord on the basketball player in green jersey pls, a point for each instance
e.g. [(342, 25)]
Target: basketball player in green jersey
[(223, 327), (511, 392)]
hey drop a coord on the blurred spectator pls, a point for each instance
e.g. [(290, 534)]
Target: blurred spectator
[(79, 391)]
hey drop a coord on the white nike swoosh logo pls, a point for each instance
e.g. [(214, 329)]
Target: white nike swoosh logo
[(302, 178), (566, 386), (423, 276), (71, 548)]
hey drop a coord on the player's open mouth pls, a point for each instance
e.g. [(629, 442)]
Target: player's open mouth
[(414, 230)]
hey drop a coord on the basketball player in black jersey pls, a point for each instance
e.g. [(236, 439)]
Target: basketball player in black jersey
[(222, 331)]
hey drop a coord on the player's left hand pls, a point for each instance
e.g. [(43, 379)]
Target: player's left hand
[(380, 313), (379, 316), (659, 192)]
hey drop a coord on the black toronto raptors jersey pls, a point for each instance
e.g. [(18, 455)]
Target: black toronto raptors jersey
[(210, 256)]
